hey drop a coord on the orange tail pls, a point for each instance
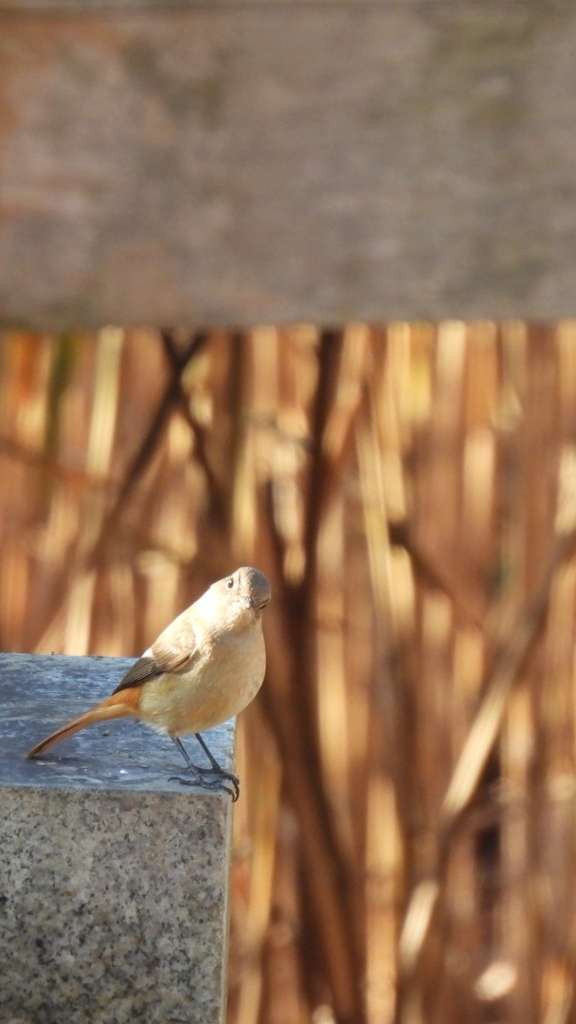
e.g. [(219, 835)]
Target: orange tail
[(119, 705)]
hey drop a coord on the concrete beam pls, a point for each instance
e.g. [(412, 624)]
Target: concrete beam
[(240, 163)]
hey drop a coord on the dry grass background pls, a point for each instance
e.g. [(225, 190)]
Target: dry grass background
[(405, 843)]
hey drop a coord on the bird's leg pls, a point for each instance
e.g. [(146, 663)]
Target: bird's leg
[(219, 775)]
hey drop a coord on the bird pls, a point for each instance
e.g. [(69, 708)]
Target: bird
[(204, 668)]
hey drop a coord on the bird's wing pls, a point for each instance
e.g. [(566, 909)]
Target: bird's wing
[(172, 652), (143, 669)]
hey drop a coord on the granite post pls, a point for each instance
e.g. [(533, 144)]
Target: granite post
[(113, 878)]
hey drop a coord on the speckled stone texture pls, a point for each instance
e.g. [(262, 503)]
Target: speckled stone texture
[(113, 879)]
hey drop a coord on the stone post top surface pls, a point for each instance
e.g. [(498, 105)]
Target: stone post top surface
[(38, 693)]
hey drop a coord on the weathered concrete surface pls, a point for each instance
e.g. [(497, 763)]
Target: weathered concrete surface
[(272, 162), (113, 880)]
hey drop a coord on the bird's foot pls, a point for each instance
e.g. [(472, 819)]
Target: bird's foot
[(220, 779)]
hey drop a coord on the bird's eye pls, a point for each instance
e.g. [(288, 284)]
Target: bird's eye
[(230, 582)]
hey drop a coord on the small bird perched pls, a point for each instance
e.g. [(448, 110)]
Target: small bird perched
[(205, 667)]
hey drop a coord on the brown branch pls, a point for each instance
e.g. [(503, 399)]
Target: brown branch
[(432, 571), (178, 359), (142, 457), (502, 674), (11, 449), (327, 888)]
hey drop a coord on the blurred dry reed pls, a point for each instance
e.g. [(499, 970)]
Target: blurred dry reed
[(405, 845)]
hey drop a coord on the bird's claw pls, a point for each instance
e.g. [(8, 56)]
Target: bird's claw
[(219, 780)]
